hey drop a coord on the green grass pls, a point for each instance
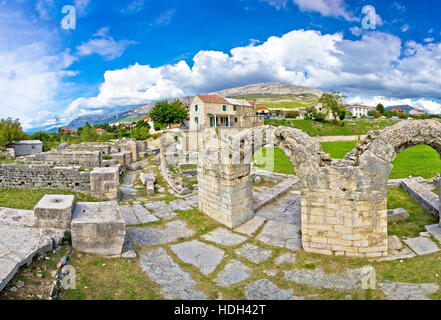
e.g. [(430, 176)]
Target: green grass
[(99, 278), (338, 150), (417, 161), (26, 199), (314, 128), (397, 198), (280, 163)]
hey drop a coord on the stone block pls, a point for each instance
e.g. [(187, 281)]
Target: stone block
[(54, 211), (104, 183), (98, 227), (395, 215)]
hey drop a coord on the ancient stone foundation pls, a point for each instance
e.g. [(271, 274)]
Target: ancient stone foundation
[(23, 176)]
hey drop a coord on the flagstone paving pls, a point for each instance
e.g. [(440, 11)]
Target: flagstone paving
[(224, 237), (408, 291), (282, 235), (233, 273), (175, 282), (286, 258), (266, 290), (147, 237), (253, 253), (351, 280), (203, 256), (286, 209), (422, 245)]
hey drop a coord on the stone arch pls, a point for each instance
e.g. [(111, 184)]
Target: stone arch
[(225, 185), (344, 202)]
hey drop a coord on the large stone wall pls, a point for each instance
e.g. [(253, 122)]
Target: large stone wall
[(22, 176), (83, 159)]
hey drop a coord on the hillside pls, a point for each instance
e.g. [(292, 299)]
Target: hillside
[(271, 94)]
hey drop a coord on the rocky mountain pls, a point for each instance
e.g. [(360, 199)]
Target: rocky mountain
[(270, 93), (269, 88)]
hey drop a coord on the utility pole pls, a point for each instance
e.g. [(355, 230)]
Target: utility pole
[(58, 129)]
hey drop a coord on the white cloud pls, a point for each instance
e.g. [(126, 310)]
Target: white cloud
[(164, 19), (428, 40), (405, 28), (327, 8), (81, 5), (278, 4), (134, 6), (32, 71), (104, 45), (378, 64)]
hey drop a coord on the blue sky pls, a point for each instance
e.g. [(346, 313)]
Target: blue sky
[(130, 52)]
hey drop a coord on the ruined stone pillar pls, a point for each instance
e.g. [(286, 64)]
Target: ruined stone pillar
[(104, 183), (344, 209), (225, 190)]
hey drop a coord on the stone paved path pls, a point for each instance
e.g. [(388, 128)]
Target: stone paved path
[(203, 256), (408, 291), (317, 278), (224, 237), (19, 242), (175, 282), (282, 235), (253, 253), (266, 290), (233, 273), (147, 237), (286, 209)]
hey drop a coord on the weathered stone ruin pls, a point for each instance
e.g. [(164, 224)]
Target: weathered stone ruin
[(343, 202), (171, 158)]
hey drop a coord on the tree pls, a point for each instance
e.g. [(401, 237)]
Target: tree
[(10, 131), (333, 101), (89, 134), (292, 115), (165, 113), (141, 131), (374, 113), (380, 108)]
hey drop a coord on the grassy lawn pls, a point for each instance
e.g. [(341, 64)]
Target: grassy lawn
[(314, 128), (417, 161), (280, 163), (338, 150), (397, 198), (27, 199), (101, 278)]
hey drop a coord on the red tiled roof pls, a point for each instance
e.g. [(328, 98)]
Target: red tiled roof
[(146, 118), (212, 99), (174, 126), (262, 108), (397, 110), (100, 130)]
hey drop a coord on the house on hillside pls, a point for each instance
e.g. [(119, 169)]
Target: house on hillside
[(100, 131), (215, 111), (67, 130), (358, 110), (398, 110), (263, 111)]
